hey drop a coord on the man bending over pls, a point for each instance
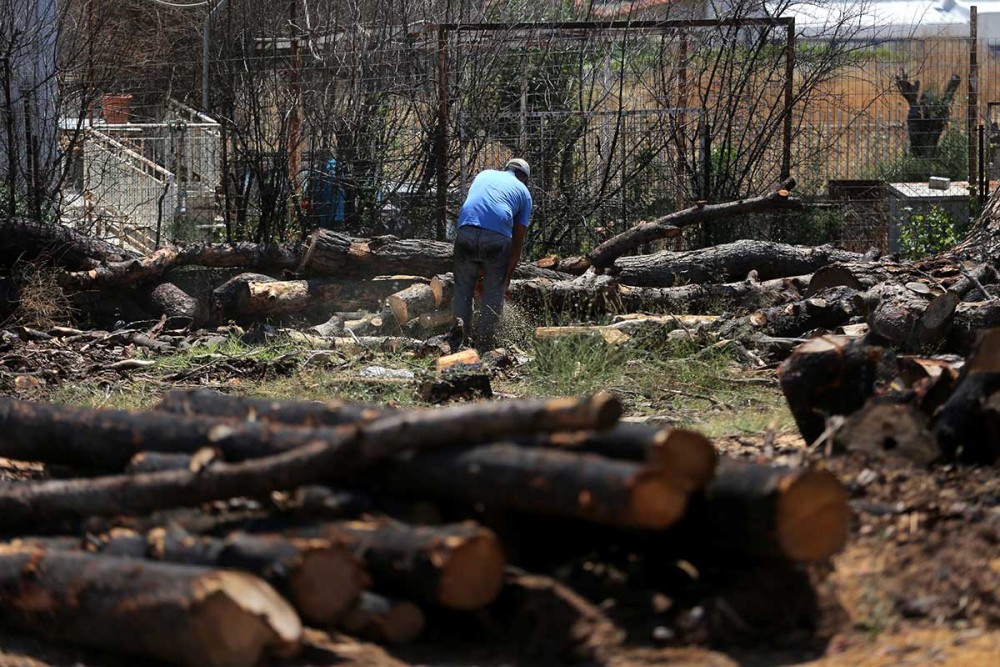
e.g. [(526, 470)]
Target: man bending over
[(490, 237)]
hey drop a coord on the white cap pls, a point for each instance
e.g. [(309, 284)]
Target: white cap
[(517, 164)]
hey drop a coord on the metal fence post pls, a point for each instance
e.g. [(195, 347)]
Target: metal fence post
[(972, 111)]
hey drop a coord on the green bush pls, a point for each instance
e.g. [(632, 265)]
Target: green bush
[(951, 160), (926, 233)]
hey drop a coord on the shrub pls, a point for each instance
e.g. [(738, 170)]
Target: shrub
[(926, 233)]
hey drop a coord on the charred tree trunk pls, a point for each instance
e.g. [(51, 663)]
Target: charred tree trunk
[(769, 512), (686, 456), (726, 263), (209, 403), (252, 256), (386, 621), (179, 614), (28, 240), (322, 579), (967, 425), (540, 481), (457, 566), (254, 298), (832, 375), (329, 455), (604, 255)]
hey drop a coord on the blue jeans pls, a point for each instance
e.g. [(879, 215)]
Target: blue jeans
[(479, 250)]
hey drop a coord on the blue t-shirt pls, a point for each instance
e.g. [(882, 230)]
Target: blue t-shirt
[(496, 201)]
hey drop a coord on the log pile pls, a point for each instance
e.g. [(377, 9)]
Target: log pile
[(859, 397), (361, 293), (213, 528)]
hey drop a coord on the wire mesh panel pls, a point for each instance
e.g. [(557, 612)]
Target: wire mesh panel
[(620, 122), (128, 196)]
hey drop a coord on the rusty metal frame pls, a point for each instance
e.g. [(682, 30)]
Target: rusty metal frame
[(442, 30)]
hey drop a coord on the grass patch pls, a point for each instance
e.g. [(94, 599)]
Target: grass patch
[(669, 381)]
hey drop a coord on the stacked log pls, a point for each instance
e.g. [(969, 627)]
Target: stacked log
[(248, 576), (861, 397)]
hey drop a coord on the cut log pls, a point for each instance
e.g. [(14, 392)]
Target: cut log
[(443, 287), (965, 425), (179, 614), (883, 427), (910, 320), (860, 276), (330, 454), (411, 302), (330, 253), (828, 310), (463, 358), (260, 257), (769, 512), (713, 298), (726, 263), (608, 334), (543, 481), (108, 439), (971, 318), (550, 624), (27, 240), (227, 296), (456, 566), (144, 462), (322, 579), (256, 298), (581, 297), (385, 621), (456, 385), (686, 456), (832, 375), (206, 402), (177, 305), (623, 331), (434, 323), (380, 323), (670, 225)]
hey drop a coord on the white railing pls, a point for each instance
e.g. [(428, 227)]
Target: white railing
[(128, 196)]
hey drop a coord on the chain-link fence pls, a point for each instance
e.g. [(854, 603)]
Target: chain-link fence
[(375, 119)]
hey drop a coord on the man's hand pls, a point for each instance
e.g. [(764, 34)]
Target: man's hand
[(516, 246)]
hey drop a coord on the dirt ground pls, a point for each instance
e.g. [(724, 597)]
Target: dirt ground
[(917, 584)]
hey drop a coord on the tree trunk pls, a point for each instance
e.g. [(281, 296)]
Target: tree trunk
[(253, 298), (832, 308), (209, 403), (330, 454), (330, 253), (726, 263), (386, 621), (411, 302), (911, 318), (456, 566), (177, 305), (885, 427), (323, 580), (686, 456), (29, 241), (966, 426), (832, 375), (253, 256), (604, 255), (769, 512), (542, 481), (179, 614)]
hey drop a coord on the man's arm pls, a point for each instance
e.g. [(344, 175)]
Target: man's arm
[(516, 245)]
